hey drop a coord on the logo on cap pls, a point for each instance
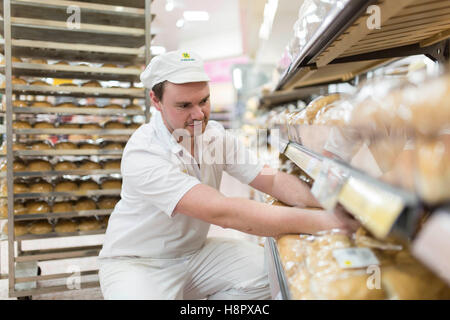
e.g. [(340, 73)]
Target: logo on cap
[(186, 57)]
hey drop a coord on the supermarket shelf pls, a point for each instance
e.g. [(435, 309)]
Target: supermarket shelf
[(87, 33), (75, 51), (84, 193), (74, 72), (63, 215), (63, 253), (344, 34), (74, 152), (77, 91), (63, 173), (75, 131), (380, 207), (278, 98), (75, 111)]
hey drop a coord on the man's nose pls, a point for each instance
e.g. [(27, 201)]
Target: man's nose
[(197, 113)]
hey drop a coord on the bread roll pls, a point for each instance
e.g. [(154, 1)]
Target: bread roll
[(89, 224), (66, 225), (113, 106), (65, 146), (113, 146), (18, 81), (41, 104), (19, 208), (41, 186), (66, 186), (40, 61), (41, 146), (108, 202), (314, 107), (89, 165), (114, 125), (40, 227), (66, 105), (39, 83), (37, 207), (134, 66), (109, 65), (39, 165), (88, 185), (112, 184), (18, 165), (19, 103), (134, 125), (62, 206), (21, 187), (68, 126), (43, 125), (112, 165), (62, 63), (85, 204), (20, 228), (65, 165), (134, 107), (88, 146), (92, 83), (92, 126), (13, 59), (18, 124)]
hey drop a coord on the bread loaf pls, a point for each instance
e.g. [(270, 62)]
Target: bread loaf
[(40, 227), (19, 208), (18, 124), (20, 228), (88, 146), (112, 184), (108, 202), (66, 105), (41, 146), (88, 185), (114, 125), (20, 103), (92, 126), (112, 165), (62, 206), (89, 224), (134, 107), (66, 225), (92, 83), (109, 65), (113, 106), (39, 165), (66, 186), (43, 125), (37, 207), (134, 125), (41, 104), (39, 83), (85, 204), (65, 165), (113, 146), (39, 61), (89, 165), (41, 186)]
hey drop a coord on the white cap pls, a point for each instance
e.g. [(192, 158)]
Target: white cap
[(176, 67)]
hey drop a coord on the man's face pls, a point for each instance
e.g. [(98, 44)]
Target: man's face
[(185, 106)]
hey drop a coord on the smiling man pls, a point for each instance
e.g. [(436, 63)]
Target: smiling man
[(156, 244)]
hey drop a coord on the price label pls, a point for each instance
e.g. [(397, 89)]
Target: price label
[(355, 257)]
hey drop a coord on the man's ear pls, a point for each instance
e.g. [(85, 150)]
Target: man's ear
[(155, 101)]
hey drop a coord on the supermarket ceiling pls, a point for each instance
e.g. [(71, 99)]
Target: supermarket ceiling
[(232, 29)]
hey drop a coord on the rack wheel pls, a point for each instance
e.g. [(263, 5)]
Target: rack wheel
[(39, 271)]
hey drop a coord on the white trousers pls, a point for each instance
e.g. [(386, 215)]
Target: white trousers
[(222, 269)]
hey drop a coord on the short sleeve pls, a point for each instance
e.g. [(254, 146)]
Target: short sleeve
[(241, 162), (157, 180)]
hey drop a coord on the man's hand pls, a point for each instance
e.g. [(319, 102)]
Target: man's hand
[(342, 220)]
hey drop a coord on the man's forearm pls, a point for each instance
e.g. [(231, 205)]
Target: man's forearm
[(292, 191)]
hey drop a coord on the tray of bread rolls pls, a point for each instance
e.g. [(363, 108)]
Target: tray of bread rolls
[(339, 266)]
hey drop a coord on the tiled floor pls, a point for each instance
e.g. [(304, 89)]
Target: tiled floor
[(229, 187)]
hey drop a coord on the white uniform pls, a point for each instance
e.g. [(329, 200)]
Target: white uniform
[(151, 253)]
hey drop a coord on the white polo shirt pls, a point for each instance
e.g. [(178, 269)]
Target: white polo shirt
[(156, 173)]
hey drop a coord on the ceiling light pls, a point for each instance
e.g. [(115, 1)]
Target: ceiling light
[(180, 23), (155, 50), (170, 5), (196, 15)]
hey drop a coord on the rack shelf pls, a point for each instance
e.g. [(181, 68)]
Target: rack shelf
[(64, 215), (63, 173), (75, 131), (85, 193), (77, 111), (75, 152)]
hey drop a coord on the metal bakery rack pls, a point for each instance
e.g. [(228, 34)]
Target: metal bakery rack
[(112, 31), (341, 49)]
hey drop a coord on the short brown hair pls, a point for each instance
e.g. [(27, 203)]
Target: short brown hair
[(158, 90)]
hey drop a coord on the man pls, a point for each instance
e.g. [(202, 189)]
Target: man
[(156, 244)]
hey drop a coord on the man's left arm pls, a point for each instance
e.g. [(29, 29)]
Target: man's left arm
[(284, 187)]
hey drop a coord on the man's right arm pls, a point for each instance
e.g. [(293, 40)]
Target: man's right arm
[(206, 203)]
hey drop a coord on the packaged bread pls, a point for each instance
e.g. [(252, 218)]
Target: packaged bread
[(92, 126), (85, 204), (40, 227), (89, 224), (43, 125), (65, 166), (62, 206), (107, 202), (20, 228), (317, 104), (92, 83), (111, 145), (89, 165), (66, 225), (41, 186), (114, 125), (337, 113), (39, 83), (65, 146), (19, 208), (41, 104), (112, 165), (88, 185), (112, 184), (19, 124), (88, 146), (66, 105), (66, 186), (37, 207), (39, 165), (68, 126), (41, 146), (133, 125), (113, 106)]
